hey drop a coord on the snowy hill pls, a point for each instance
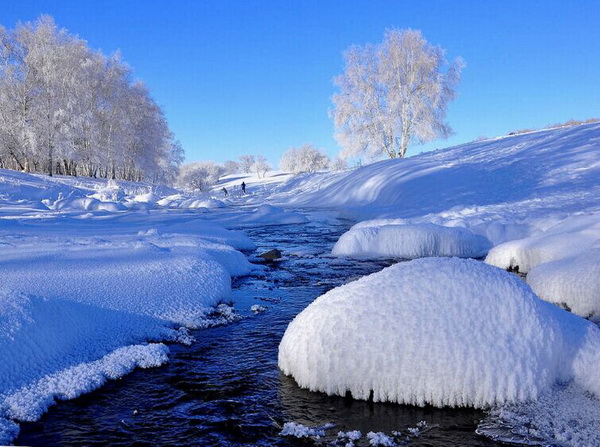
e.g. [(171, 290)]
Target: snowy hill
[(541, 172)]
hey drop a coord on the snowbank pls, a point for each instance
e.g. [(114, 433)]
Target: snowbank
[(570, 237), (573, 283), (81, 298), (376, 240), (446, 332)]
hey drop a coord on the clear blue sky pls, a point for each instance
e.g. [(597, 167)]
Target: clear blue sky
[(240, 77)]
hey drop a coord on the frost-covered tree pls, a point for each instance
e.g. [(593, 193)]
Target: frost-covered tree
[(66, 109), (231, 167), (339, 164), (260, 166), (305, 158), (246, 163), (199, 176), (393, 94)]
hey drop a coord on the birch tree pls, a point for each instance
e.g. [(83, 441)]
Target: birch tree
[(66, 109), (393, 94)]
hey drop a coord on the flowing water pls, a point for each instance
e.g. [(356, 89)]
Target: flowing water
[(226, 389)]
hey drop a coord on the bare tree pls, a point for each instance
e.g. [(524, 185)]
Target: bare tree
[(305, 158), (393, 94)]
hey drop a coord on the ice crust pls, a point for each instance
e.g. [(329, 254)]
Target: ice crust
[(380, 240), (440, 331)]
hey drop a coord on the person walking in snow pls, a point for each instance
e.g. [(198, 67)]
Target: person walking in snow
[(224, 191), (244, 187)]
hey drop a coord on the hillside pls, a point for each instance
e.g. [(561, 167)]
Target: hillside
[(536, 174)]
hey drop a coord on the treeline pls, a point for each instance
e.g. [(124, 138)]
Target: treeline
[(66, 109)]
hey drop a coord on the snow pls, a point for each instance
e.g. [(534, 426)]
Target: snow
[(439, 331), (511, 180), (380, 439), (96, 274), (572, 282), (565, 414), (570, 237), (297, 430), (375, 240), (94, 277)]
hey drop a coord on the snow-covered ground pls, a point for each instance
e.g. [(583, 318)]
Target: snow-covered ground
[(96, 275)]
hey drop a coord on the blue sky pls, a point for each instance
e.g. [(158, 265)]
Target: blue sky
[(255, 77)]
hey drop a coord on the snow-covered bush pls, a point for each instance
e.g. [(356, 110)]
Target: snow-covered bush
[(445, 332), (304, 159)]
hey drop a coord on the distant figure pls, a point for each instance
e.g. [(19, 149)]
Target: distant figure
[(224, 191), (244, 187)]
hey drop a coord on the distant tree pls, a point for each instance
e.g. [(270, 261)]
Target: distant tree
[(305, 158), (393, 94), (260, 166), (199, 176), (246, 163), (339, 164), (231, 167)]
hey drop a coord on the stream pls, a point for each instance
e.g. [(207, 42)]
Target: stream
[(226, 390)]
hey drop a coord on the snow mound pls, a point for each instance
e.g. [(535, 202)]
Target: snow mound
[(570, 237), (202, 203), (570, 282), (149, 197), (446, 332), (87, 204), (409, 242)]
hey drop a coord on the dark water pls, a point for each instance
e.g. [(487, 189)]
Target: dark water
[(226, 389)]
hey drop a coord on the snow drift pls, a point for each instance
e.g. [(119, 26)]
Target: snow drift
[(446, 332), (375, 240)]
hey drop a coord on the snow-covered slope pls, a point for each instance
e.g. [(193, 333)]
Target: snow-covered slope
[(549, 171)]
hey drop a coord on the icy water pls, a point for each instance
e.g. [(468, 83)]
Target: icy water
[(226, 389)]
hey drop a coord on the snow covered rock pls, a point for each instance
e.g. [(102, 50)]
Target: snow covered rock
[(409, 242), (571, 237), (446, 332), (570, 282)]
